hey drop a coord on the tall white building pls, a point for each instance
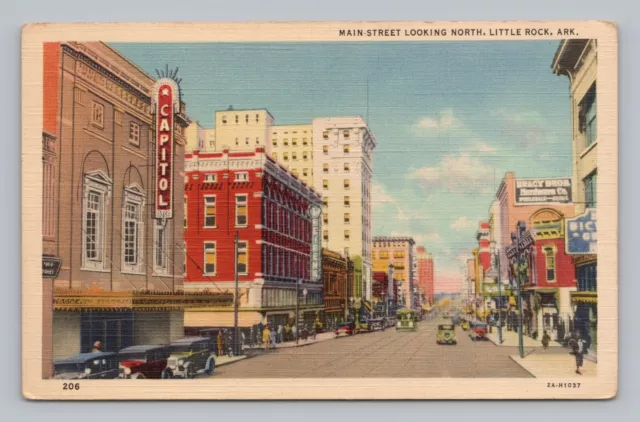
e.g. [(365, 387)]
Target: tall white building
[(342, 173)]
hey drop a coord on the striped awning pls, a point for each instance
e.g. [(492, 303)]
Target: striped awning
[(367, 305)]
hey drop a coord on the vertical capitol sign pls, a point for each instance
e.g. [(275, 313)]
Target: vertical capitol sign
[(166, 102)]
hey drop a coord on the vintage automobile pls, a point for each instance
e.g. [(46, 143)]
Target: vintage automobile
[(446, 334), (377, 324), (406, 320), (97, 365), (345, 329), (479, 331), (189, 356), (145, 361)]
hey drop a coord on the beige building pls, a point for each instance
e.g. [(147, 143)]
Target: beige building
[(342, 173), (400, 252), (577, 59), (292, 146)]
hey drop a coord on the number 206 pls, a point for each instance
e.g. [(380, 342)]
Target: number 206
[(71, 386)]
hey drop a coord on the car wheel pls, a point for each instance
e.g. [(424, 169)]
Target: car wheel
[(210, 366), (189, 372), (454, 342), (137, 376), (166, 374)]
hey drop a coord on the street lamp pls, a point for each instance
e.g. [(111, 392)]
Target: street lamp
[(495, 269), (515, 239)]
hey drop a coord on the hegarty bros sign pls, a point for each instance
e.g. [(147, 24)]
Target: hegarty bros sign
[(543, 191)]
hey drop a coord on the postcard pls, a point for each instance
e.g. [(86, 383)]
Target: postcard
[(320, 210)]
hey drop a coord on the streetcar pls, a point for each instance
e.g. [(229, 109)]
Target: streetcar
[(407, 320)]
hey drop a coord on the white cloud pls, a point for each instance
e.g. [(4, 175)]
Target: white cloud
[(422, 239), (463, 222), (461, 173), (483, 147), (379, 197), (445, 120)]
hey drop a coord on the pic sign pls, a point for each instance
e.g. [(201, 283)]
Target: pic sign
[(543, 191), (167, 102), (581, 237)]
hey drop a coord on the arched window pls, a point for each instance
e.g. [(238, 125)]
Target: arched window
[(548, 224)]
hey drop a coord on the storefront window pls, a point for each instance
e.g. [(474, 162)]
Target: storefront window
[(587, 277), (590, 190)]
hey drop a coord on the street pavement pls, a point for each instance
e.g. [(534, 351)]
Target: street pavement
[(382, 354)]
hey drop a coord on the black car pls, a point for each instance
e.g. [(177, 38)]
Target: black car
[(96, 365)]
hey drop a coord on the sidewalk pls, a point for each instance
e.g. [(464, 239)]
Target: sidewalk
[(288, 344), (545, 365), (510, 339), (226, 360)]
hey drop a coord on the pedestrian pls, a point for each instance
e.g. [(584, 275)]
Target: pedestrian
[(578, 350), (545, 340), (294, 332), (280, 333), (97, 347), (272, 338), (266, 337), (220, 343)]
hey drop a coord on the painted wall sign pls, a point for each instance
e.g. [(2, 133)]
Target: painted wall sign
[(543, 191), (581, 236), (166, 102)]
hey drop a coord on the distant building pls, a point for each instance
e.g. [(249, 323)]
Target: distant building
[(399, 251), (425, 274)]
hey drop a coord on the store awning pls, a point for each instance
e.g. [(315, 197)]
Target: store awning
[(367, 305), (584, 297)]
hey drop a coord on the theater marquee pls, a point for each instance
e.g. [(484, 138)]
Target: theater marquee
[(166, 102)]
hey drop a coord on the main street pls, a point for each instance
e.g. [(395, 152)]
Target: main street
[(383, 354)]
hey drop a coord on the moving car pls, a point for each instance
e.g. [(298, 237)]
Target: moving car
[(345, 329), (479, 331), (145, 361), (97, 365), (446, 334), (189, 356), (407, 320)]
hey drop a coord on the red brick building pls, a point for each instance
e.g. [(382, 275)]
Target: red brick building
[(248, 193), (381, 287), (426, 274)]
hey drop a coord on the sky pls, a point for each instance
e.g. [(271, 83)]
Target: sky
[(450, 119)]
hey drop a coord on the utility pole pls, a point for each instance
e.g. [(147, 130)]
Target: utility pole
[(236, 352), (297, 309)]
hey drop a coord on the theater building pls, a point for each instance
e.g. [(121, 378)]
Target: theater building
[(122, 269), (250, 195)]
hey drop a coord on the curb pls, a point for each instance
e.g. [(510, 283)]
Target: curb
[(518, 363), (243, 357)]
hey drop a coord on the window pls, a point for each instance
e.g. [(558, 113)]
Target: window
[(210, 178), (345, 133), (325, 134), (587, 118), (117, 117), (384, 255), (210, 211), (305, 172), (587, 277), (246, 141), (246, 118), (236, 141), (346, 183), (241, 210), (275, 155), (325, 149), (285, 142), (347, 218), (134, 133), (132, 231), (97, 189), (79, 96), (243, 258), (325, 201), (346, 167), (347, 235), (550, 262), (325, 235), (161, 261), (325, 184), (305, 142), (257, 118), (347, 201), (241, 176), (294, 172), (185, 211), (257, 140), (285, 156), (325, 218), (224, 120), (305, 155), (97, 114), (346, 149), (294, 156), (325, 168), (210, 258), (294, 142), (590, 190), (275, 142), (236, 119)]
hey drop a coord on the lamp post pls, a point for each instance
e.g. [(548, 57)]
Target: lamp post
[(496, 263), (236, 348), (298, 281), (517, 252)]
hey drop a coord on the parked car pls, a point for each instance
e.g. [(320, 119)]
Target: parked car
[(189, 356), (140, 362), (345, 329), (446, 334), (98, 365), (479, 331), (377, 324)]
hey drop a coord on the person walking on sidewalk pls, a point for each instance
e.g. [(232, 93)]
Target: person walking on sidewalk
[(266, 337), (280, 333), (545, 340), (272, 338), (578, 349)]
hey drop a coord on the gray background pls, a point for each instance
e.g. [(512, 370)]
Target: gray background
[(13, 15)]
